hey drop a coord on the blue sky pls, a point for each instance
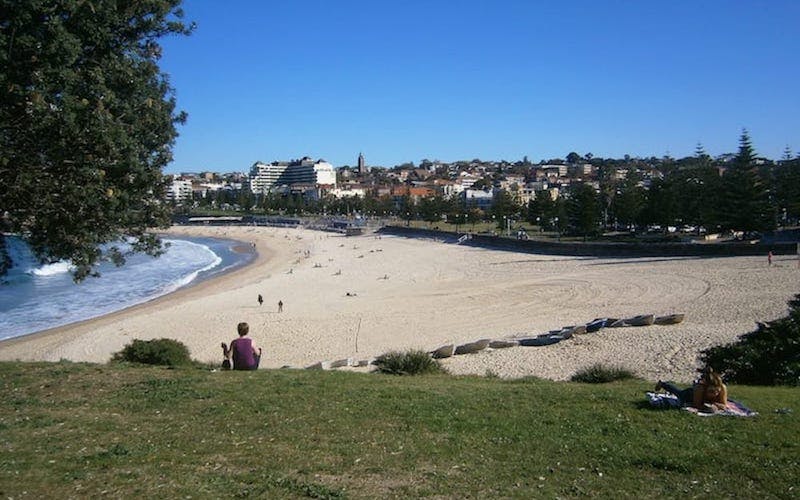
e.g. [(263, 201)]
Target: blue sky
[(451, 80)]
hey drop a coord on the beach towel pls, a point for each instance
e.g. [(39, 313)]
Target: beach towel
[(732, 409), (663, 400)]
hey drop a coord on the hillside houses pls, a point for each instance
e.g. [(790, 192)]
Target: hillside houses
[(470, 183)]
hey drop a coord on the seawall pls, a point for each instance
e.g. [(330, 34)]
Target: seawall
[(599, 249)]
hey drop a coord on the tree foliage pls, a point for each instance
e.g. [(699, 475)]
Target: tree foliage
[(550, 214), (770, 355), (504, 206), (746, 202), (583, 209), (787, 192), (163, 352), (87, 122), (628, 202)]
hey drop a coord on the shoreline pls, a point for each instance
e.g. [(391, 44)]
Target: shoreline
[(361, 296), (198, 285)]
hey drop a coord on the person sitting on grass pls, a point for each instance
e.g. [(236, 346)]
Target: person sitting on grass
[(245, 355), (707, 393)]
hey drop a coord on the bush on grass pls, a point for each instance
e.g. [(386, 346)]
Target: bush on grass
[(162, 352), (601, 374), (408, 363), (770, 355)]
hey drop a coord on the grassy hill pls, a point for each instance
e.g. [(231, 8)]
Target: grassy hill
[(81, 430)]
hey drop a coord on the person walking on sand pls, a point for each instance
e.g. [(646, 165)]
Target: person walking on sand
[(260, 299), (246, 356), (769, 258), (280, 306)]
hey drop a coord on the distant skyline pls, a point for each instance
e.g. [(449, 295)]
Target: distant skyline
[(399, 82)]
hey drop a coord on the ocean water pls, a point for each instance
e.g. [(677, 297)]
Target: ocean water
[(35, 297)]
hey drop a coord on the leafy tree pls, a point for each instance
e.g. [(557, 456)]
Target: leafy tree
[(431, 209), (87, 122), (700, 154), (474, 215), (504, 206), (697, 193), (628, 203), (550, 214), (583, 209), (661, 206), (770, 355), (245, 199), (607, 189), (689, 194), (746, 202), (787, 183)]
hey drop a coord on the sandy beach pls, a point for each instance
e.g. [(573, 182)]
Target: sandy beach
[(358, 297)]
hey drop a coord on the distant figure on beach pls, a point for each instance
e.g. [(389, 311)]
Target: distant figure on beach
[(280, 306), (260, 299), (707, 393), (245, 355), (769, 258)]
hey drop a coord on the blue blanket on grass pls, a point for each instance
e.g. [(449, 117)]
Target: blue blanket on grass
[(732, 409)]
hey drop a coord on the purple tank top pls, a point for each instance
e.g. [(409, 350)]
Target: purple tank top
[(243, 354)]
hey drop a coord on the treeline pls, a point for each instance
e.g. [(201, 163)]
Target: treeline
[(744, 194)]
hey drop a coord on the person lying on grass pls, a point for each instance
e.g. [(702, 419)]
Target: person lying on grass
[(245, 355), (707, 393)]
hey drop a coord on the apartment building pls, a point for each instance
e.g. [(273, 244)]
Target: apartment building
[(179, 190), (265, 177)]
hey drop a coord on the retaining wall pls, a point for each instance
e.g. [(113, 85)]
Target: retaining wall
[(596, 249)]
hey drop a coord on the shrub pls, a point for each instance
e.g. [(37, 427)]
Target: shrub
[(770, 355), (408, 363), (164, 352), (601, 374)]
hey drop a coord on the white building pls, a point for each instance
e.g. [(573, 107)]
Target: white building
[(179, 190), (478, 198), (266, 177), (452, 189), (467, 180), (555, 170), (349, 192)]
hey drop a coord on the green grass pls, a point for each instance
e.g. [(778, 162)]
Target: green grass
[(81, 430)]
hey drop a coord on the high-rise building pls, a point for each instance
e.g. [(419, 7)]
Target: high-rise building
[(362, 168)]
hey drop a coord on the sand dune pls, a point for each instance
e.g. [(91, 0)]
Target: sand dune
[(406, 293)]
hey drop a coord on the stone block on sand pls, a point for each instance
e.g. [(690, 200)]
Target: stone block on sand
[(473, 347)]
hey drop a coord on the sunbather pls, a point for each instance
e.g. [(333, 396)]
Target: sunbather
[(708, 392)]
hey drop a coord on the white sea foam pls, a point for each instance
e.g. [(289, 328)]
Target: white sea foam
[(60, 267), (39, 297), (171, 287)]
